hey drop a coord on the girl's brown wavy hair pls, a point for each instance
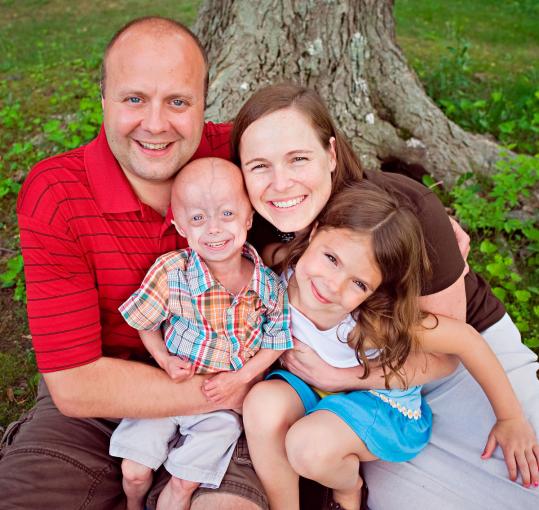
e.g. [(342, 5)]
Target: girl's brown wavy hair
[(389, 316)]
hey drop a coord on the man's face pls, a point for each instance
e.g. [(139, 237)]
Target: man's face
[(211, 209), (153, 103)]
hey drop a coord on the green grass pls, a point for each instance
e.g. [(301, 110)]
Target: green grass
[(503, 35), (50, 52), (49, 32)]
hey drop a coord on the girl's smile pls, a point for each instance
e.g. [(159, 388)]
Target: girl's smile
[(335, 274)]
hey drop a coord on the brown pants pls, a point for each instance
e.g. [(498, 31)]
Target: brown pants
[(51, 461)]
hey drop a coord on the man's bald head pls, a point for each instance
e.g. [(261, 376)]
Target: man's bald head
[(158, 27)]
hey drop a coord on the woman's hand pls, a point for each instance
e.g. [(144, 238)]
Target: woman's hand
[(463, 241), (307, 365), (516, 438)]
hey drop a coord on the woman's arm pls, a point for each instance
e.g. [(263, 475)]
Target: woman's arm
[(419, 368)]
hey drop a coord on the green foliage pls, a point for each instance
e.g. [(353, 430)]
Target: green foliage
[(507, 237), (13, 276), (510, 115)]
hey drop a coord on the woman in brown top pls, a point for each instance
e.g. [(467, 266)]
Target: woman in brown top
[(293, 158)]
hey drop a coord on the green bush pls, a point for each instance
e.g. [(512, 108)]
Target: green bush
[(507, 237)]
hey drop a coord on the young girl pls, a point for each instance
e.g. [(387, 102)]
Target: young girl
[(353, 282)]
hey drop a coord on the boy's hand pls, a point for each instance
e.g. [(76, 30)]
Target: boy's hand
[(223, 386), (178, 369), (517, 440)]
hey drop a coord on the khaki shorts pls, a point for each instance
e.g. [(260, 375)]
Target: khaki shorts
[(51, 461)]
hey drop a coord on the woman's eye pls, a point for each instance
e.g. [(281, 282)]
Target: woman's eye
[(331, 258), (260, 166), (299, 158), (361, 285)]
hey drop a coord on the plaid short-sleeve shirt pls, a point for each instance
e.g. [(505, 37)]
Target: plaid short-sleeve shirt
[(201, 320)]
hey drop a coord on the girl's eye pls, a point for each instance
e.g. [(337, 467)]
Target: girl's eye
[(361, 285), (227, 213), (331, 258)]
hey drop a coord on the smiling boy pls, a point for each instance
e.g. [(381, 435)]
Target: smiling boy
[(221, 310)]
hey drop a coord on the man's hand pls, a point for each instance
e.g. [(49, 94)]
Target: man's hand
[(517, 440), (178, 369), (227, 389), (307, 365)]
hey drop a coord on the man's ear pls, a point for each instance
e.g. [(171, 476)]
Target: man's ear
[(313, 231), (179, 229)]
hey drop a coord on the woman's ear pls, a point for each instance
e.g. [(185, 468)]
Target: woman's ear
[(333, 153)]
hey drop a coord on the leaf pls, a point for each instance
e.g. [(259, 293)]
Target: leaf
[(522, 295)]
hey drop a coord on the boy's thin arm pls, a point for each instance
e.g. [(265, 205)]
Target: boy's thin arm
[(155, 345), (262, 360), (117, 388)]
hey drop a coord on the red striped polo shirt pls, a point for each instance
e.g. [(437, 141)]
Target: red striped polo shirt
[(87, 242)]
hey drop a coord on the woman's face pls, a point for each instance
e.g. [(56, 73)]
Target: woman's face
[(287, 170)]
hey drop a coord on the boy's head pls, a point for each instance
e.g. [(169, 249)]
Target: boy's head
[(211, 208)]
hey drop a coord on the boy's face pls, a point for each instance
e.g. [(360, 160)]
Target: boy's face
[(211, 209)]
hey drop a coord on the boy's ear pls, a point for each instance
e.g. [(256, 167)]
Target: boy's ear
[(250, 220), (313, 231), (179, 229)]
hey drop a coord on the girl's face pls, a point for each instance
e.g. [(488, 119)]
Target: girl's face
[(287, 170), (334, 276)]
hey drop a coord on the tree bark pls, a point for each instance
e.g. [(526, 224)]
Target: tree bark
[(347, 51)]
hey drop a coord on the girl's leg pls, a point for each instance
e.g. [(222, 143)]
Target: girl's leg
[(269, 410), (136, 482), (176, 495), (322, 447)]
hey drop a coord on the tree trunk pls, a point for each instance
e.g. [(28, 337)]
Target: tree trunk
[(347, 51)]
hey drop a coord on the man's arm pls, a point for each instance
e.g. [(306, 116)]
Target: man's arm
[(116, 388)]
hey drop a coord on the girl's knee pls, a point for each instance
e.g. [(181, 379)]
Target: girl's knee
[(134, 472), (308, 454), (267, 408)]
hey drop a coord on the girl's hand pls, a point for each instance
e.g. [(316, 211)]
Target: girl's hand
[(517, 440)]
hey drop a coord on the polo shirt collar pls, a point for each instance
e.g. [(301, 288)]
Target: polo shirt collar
[(200, 278), (108, 183)]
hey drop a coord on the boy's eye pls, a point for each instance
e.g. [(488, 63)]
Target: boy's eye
[(197, 217), (227, 213), (331, 258)]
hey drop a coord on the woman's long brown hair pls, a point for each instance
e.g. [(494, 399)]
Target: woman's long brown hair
[(389, 316)]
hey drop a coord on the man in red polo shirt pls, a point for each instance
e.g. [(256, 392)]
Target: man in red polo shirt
[(92, 221)]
